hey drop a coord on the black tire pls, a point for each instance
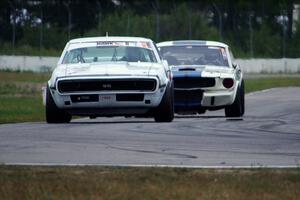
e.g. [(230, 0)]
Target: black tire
[(237, 109), (53, 113), (243, 97), (165, 111), (201, 111)]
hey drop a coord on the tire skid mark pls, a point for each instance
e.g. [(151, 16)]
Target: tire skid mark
[(163, 152), (179, 155)]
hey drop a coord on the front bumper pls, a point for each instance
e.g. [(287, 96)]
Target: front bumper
[(215, 98), (203, 98), (209, 92), (105, 100), (112, 101)]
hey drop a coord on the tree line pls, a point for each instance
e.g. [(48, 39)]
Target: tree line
[(257, 28)]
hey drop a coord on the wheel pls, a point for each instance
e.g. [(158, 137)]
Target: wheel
[(243, 97), (165, 110), (201, 111), (53, 113), (237, 109)]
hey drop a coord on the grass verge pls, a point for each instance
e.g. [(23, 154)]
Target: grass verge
[(20, 96), (252, 85), (21, 109), (21, 100), (17, 182)]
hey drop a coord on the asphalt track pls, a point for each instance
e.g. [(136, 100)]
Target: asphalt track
[(267, 136)]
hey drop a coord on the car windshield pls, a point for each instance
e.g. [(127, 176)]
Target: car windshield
[(109, 54), (195, 55)]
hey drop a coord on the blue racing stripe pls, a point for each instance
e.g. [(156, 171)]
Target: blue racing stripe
[(187, 104)]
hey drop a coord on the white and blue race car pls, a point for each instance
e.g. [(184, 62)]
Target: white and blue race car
[(205, 77), (110, 76)]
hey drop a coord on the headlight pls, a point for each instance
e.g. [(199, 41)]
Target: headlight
[(228, 83)]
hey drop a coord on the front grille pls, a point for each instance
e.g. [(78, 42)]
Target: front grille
[(188, 96), (193, 82), (72, 86)]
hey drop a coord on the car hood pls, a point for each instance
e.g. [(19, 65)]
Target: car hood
[(203, 71), (122, 69), (108, 69)]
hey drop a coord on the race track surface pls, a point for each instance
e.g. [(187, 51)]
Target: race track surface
[(268, 135)]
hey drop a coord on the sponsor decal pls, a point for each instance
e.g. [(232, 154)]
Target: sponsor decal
[(188, 42), (110, 43), (146, 45), (211, 47), (104, 43)]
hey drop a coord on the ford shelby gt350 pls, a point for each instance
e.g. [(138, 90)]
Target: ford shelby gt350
[(205, 77)]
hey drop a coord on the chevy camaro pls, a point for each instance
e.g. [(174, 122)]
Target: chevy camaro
[(110, 76)]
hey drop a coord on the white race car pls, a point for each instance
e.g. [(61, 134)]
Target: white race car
[(205, 77), (110, 76)]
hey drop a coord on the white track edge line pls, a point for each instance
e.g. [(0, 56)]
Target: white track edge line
[(158, 166)]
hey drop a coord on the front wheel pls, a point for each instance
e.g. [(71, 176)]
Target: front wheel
[(165, 110), (237, 109), (53, 113)]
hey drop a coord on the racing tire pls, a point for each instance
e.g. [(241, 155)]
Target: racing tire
[(53, 113), (237, 109), (165, 110), (201, 111)]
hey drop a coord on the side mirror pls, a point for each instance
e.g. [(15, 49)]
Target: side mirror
[(235, 65)]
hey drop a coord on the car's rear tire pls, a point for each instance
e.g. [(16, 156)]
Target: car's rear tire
[(165, 111), (237, 109), (53, 113)]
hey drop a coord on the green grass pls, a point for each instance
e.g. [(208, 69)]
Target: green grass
[(147, 183), (21, 96), (21, 100), (21, 109), (29, 77), (252, 85)]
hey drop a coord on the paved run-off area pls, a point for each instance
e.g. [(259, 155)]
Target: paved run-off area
[(268, 135)]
